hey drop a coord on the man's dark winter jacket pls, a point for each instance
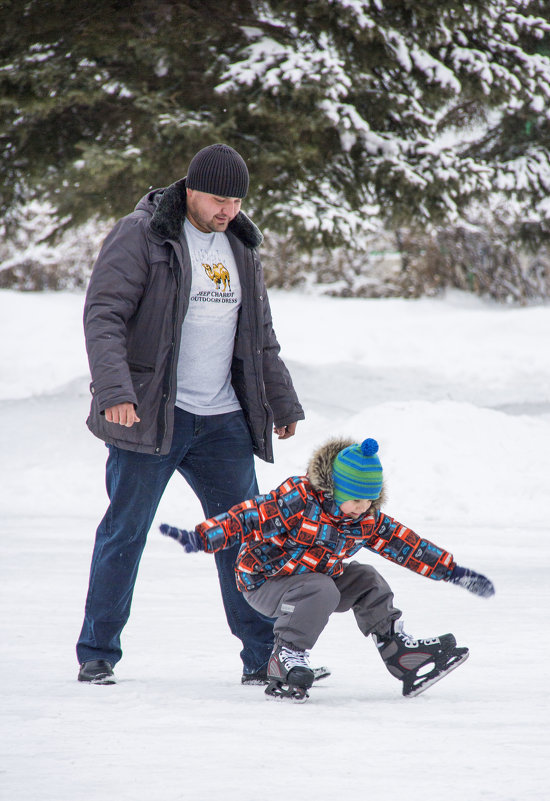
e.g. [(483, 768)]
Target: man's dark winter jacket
[(135, 305)]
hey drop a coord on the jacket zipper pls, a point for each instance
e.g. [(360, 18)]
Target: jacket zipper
[(167, 389), (259, 356)]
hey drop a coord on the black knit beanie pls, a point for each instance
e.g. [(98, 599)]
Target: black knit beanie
[(218, 170)]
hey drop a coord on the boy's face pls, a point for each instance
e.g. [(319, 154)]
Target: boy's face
[(355, 508)]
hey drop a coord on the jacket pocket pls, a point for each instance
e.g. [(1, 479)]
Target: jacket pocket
[(141, 367), (142, 377)]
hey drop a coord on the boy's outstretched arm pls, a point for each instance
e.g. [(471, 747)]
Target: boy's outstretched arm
[(216, 533), (243, 520), (472, 581), (394, 541)]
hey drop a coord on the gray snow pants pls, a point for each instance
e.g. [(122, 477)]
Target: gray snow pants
[(302, 604)]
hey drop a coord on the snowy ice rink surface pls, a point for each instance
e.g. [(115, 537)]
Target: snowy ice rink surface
[(457, 391)]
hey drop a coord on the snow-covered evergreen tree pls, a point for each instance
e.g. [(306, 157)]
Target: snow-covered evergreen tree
[(403, 108), (348, 112)]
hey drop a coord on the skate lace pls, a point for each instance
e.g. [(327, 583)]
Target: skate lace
[(408, 640), (412, 642), (292, 659)]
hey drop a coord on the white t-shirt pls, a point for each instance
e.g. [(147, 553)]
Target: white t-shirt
[(208, 330)]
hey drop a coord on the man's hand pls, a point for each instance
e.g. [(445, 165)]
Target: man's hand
[(284, 432), (123, 413)]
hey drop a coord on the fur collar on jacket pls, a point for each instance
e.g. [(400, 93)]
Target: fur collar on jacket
[(319, 469), (170, 207)]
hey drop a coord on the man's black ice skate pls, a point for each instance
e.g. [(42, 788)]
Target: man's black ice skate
[(289, 673), (419, 663)]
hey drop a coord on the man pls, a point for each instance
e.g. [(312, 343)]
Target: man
[(186, 377)]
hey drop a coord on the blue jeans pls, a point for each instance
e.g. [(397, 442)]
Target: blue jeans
[(214, 455)]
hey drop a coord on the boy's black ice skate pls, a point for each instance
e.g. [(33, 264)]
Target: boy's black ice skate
[(260, 676), (289, 673), (419, 663)]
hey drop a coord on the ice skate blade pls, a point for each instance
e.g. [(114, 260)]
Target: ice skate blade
[(287, 698), (320, 673), (278, 691), (430, 682)]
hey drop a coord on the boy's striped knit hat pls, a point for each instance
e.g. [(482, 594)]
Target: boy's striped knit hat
[(357, 472)]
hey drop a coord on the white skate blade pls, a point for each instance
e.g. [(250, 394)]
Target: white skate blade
[(278, 691), (320, 673), (430, 682)]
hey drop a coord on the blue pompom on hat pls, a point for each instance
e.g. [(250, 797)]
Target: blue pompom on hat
[(357, 472)]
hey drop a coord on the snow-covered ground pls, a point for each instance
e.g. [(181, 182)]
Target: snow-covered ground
[(457, 392)]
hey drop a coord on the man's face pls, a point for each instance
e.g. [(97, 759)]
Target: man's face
[(211, 213)]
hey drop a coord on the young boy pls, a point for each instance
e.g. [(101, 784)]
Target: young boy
[(291, 567)]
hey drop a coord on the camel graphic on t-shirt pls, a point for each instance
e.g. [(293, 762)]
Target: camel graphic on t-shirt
[(219, 275)]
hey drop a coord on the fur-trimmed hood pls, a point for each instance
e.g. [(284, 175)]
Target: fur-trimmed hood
[(319, 469), (168, 208)]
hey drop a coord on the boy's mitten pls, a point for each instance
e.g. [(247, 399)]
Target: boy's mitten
[(190, 540), (472, 581)]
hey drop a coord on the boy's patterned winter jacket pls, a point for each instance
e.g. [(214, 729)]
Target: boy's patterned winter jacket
[(298, 528)]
